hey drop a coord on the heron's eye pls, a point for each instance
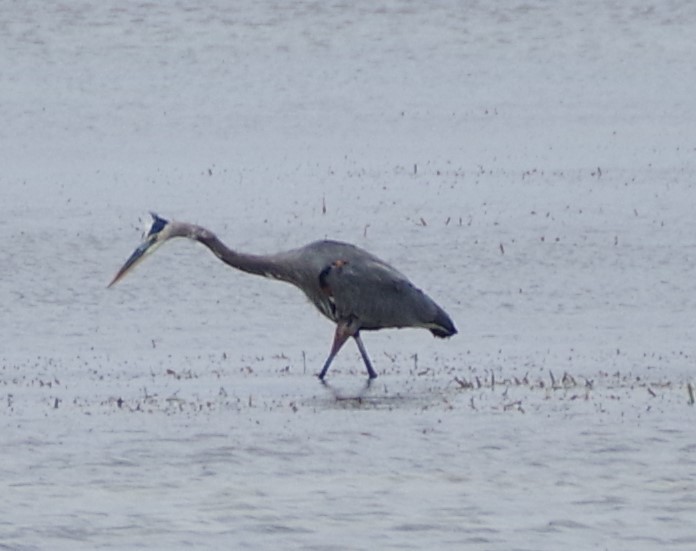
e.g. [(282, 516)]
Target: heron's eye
[(152, 226), (157, 225)]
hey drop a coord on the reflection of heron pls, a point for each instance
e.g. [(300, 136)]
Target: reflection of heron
[(348, 285)]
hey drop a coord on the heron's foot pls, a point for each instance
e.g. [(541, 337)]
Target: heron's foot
[(341, 395), (371, 377)]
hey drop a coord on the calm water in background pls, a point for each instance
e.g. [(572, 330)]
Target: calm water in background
[(531, 167)]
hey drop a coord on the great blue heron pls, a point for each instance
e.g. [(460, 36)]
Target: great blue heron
[(350, 286)]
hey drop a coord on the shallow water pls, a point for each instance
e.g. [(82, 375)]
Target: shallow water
[(530, 166)]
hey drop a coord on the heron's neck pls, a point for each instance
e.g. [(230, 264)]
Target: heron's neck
[(271, 266)]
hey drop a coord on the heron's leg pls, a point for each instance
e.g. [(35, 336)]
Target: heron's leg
[(340, 337), (363, 352)]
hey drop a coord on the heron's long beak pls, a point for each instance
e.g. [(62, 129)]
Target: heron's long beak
[(145, 248)]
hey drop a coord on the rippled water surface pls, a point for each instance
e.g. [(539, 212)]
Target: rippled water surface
[(530, 165)]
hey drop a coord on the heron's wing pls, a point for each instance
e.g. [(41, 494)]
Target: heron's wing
[(378, 296)]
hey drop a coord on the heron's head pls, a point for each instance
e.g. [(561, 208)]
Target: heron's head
[(158, 233)]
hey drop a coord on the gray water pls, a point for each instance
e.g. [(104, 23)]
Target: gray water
[(531, 166)]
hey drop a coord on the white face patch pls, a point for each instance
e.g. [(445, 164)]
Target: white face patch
[(146, 223), (157, 226)]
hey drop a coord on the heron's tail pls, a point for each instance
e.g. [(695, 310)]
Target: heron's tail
[(442, 326)]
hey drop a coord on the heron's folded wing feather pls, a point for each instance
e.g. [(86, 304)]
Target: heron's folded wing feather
[(379, 296)]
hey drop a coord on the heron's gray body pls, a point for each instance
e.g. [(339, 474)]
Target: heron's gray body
[(361, 287), (348, 285)]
